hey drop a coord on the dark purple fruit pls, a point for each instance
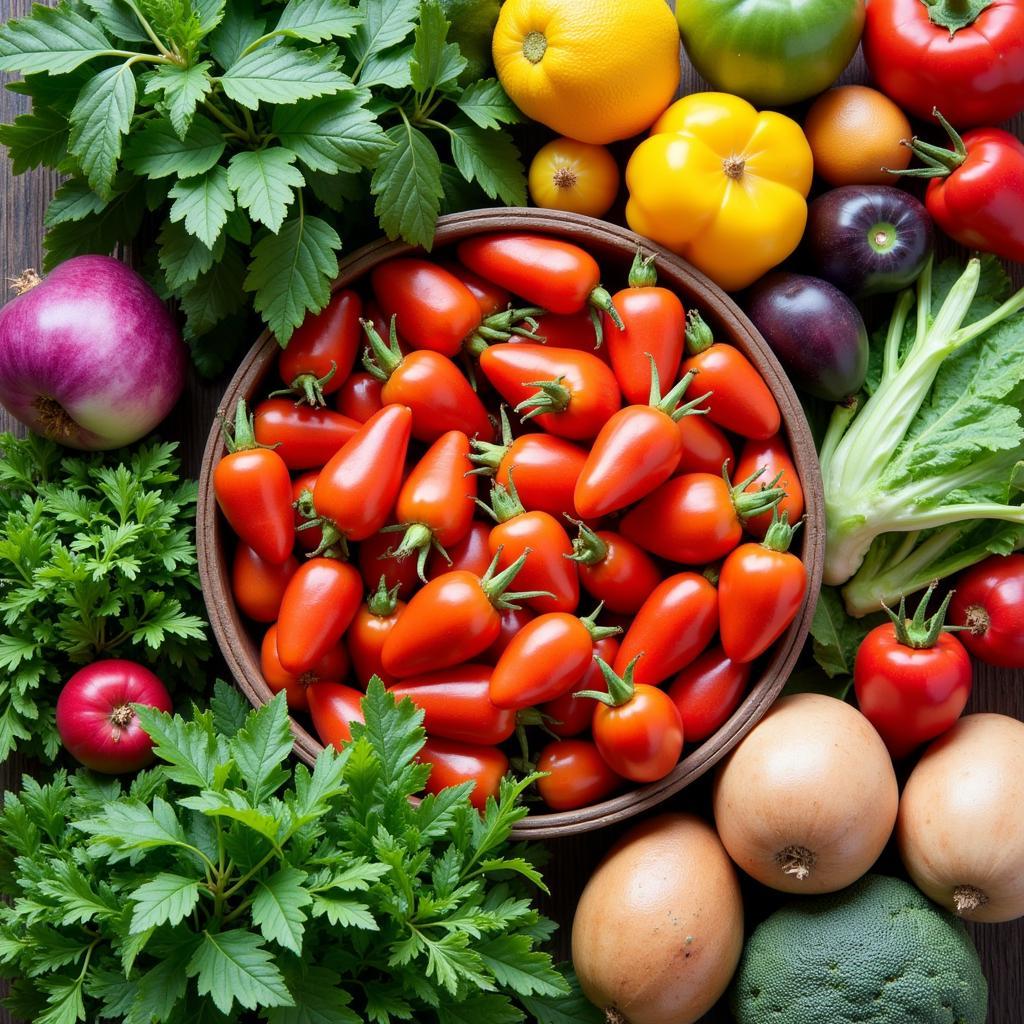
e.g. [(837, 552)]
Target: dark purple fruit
[(868, 239), (815, 330)]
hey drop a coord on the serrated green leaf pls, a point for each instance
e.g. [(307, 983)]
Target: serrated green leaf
[(517, 966), (314, 790), (65, 1002), (407, 184), (235, 806), (100, 232), (38, 139), (183, 89), (280, 74), (487, 104), (183, 257), (261, 745), (162, 987), (319, 999), (277, 908), (335, 134), (73, 201), (203, 203), (230, 709), (157, 152), (118, 19), (434, 62), (478, 1008), (344, 913), (79, 901), (291, 272), (52, 39), (241, 27), (395, 731), (212, 297), (234, 966), (490, 158), (190, 750), (385, 23), (102, 115), (318, 20), (263, 181), (573, 1008), (387, 68), (130, 825), (165, 899)]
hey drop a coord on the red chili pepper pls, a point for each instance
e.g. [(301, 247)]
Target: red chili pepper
[(773, 455), (332, 667), (259, 585), (304, 436), (576, 775), (369, 629), (472, 553), (452, 763), (567, 716), (613, 569), (322, 350), (254, 491), (333, 708), (359, 397), (707, 692)]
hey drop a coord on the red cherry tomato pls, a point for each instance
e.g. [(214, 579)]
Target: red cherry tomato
[(491, 298), (570, 394), (359, 397), (365, 638), (452, 763), (571, 330), (332, 667), (305, 437), (374, 562), (302, 499), (989, 599), (577, 775), (774, 456), (457, 705), (512, 621), (333, 708), (258, 585), (912, 679), (671, 628), (319, 603), (323, 348), (254, 491), (95, 718), (569, 716), (705, 448), (707, 692), (614, 570), (472, 553)]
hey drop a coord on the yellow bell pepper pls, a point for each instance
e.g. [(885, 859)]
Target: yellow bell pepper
[(722, 185)]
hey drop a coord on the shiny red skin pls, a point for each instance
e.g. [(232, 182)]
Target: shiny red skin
[(307, 540), (989, 597), (332, 336), (439, 492), (512, 621), (975, 77), (981, 204), (910, 696), (364, 640), (85, 708), (705, 447), (624, 578), (472, 553), (435, 310), (642, 739), (569, 715), (592, 386), (547, 567), (332, 667), (305, 437), (374, 563), (448, 621), (440, 397), (254, 491), (760, 592), (333, 707), (547, 658), (707, 692), (457, 705), (555, 275), (690, 519), (319, 604), (258, 585), (637, 450), (359, 397), (357, 489), (452, 763), (740, 400), (655, 323), (491, 298), (577, 775), (675, 624), (545, 469), (773, 454), (572, 330)]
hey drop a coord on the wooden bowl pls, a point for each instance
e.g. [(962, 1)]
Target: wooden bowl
[(614, 248)]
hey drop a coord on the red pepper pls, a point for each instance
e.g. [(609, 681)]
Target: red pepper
[(966, 56), (304, 436)]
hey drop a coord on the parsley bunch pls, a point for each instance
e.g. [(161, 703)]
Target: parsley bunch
[(97, 559), (220, 882), (251, 132)]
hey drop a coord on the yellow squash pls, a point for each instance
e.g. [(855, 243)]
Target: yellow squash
[(722, 185)]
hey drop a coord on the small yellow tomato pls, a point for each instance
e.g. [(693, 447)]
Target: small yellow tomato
[(574, 176)]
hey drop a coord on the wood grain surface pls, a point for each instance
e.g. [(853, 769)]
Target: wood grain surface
[(1001, 946)]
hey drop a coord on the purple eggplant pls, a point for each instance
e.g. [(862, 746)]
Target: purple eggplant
[(868, 239), (815, 330)]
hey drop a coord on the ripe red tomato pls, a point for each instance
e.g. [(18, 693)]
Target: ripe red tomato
[(304, 436), (491, 298), (773, 455), (452, 763), (374, 562), (365, 637), (472, 553), (570, 330), (332, 667), (614, 570), (95, 718), (512, 621), (360, 397), (989, 599), (705, 448), (568, 715), (707, 692), (577, 775), (333, 707), (308, 538), (258, 585), (912, 679)]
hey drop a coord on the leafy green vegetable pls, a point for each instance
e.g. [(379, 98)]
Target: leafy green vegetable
[(220, 882), (241, 111), (917, 477), (836, 636), (97, 560)]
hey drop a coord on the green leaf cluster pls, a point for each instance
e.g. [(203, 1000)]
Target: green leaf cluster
[(220, 882), (97, 559), (258, 135)]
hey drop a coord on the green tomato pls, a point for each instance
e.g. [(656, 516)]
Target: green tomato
[(771, 52)]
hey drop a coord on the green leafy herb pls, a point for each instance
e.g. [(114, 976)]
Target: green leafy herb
[(239, 112), (97, 560), (220, 882)]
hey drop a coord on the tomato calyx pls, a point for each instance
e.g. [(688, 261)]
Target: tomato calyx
[(620, 688), (921, 633), (669, 404), (489, 456), (418, 539), (309, 388), (383, 601), (505, 502), (642, 274), (699, 337), (598, 632), (380, 358), (780, 534), (241, 436), (939, 162), (551, 397), (955, 14), (754, 503), (500, 327), (587, 546), (495, 587)]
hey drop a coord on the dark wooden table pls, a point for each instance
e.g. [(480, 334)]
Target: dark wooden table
[(572, 860)]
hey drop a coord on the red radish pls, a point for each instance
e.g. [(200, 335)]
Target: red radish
[(89, 355), (95, 718)]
